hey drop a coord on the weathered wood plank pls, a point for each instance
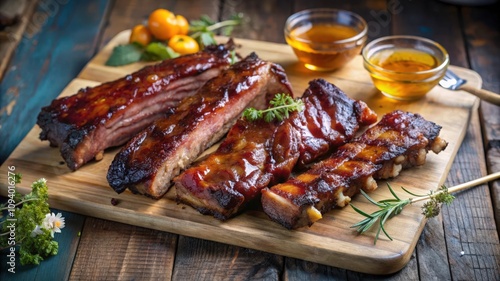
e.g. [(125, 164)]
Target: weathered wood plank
[(483, 38), (479, 236), (10, 12), (425, 19), (432, 252), (198, 259), (18, 15), (25, 89), (115, 251), (39, 72), (296, 269), (493, 165), (468, 222), (262, 19), (378, 14)]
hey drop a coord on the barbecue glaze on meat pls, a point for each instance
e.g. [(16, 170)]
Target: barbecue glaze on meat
[(257, 154), (148, 163), (400, 140), (85, 124)]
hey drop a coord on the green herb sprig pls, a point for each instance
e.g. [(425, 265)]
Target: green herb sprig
[(203, 30), (389, 208), (29, 226), (279, 108)]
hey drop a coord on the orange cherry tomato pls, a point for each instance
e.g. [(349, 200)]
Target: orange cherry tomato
[(182, 24), (162, 24), (183, 44), (140, 34)]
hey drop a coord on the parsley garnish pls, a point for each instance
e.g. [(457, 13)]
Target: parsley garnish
[(279, 108), (28, 226)]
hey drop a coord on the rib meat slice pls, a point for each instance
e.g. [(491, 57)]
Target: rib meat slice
[(256, 154), (400, 140), (151, 159), (85, 124)]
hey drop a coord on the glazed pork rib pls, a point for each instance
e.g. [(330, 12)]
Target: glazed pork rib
[(85, 124), (256, 154), (400, 140), (148, 163)]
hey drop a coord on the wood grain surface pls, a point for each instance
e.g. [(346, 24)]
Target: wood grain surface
[(329, 241), (469, 33), (19, 13)]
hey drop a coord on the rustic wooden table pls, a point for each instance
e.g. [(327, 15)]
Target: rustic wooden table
[(52, 40)]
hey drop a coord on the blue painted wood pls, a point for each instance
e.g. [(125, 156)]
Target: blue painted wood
[(58, 42), (60, 39)]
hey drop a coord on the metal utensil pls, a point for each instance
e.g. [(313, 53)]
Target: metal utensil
[(452, 81)]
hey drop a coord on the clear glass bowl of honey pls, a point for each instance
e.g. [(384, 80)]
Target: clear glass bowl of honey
[(405, 67), (325, 39)]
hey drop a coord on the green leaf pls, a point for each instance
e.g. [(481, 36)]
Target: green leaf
[(234, 57), (411, 193), (370, 199), (158, 51), (207, 20), (359, 211), (125, 54), (392, 191), (206, 39), (202, 30)]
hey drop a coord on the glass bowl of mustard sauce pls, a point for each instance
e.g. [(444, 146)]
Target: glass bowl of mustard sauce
[(325, 39), (405, 67)]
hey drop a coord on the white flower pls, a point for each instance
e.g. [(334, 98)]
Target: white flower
[(53, 223), (37, 231)]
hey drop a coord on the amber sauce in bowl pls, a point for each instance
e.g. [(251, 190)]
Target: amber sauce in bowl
[(406, 69), (325, 39)]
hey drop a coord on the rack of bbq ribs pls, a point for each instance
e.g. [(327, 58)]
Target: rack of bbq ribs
[(165, 116)]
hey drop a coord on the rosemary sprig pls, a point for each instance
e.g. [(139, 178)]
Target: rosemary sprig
[(389, 208), (279, 108)]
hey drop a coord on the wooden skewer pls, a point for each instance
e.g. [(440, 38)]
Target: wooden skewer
[(463, 186)]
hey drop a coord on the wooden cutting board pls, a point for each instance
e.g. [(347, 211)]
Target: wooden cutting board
[(330, 241)]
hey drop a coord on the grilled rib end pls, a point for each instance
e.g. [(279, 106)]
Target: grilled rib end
[(205, 204), (286, 213)]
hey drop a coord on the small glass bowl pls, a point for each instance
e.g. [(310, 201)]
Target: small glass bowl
[(405, 67), (325, 39)]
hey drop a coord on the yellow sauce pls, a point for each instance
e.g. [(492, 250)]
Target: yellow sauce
[(320, 54), (403, 80)]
